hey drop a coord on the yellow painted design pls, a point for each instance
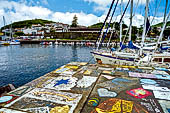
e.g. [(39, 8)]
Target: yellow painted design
[(58, 70), (58, 109), (40, 83), (120, 106), (145, 67), (49, 93), (107, 72), (128, 66), (71, 67), (127, 106), (83, 63), (87, 72)]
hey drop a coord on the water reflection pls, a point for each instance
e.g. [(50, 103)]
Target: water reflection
[(74, 52), (20, 64)]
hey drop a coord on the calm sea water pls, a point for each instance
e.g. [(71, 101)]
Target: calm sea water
[(20, 64)]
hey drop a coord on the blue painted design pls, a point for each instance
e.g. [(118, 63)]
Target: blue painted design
[(147, 81), (139, 70), (168, 110), (93, 102), (62, 81), (118, 80), (121, 80), (162, 69), (5, 99), (164, 77)]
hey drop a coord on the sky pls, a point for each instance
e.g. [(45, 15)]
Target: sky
[(88, 11)]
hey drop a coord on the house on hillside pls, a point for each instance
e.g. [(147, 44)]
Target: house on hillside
[(60, 27), (37, 26), (29, 31), (40, 32)]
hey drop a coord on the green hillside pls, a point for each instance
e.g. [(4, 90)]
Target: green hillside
[(99, 25), (28, 23), (161, 24)]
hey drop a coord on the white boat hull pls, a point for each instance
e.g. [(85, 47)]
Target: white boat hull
[(109, 59), (14, 43)]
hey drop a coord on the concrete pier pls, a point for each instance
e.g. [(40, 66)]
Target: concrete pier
[(79, 87)]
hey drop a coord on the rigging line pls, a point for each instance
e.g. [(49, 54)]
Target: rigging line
[(135, 8), (168, 7), (124, 12), (112, 32), (125, 37), (105, 19), (165, 10), (109, 23), (154, 16)]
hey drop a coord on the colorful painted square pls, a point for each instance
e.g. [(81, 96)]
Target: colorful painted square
[(139, 93), (7, 99)]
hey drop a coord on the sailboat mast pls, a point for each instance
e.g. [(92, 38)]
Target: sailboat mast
[(4, 25), (165, 10), (131, 12), (144, 27), (164, 26), (11, 31), (121, 21)]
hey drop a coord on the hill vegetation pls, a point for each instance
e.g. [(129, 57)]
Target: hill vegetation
[(28, 23), (161, 24), (99, 25)]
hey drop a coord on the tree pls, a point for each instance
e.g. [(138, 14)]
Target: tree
[(19, 33), (74, 22)]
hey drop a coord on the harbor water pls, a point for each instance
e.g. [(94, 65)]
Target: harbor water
[(20, 64)]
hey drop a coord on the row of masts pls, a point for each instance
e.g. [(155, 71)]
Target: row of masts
[(145, 30)]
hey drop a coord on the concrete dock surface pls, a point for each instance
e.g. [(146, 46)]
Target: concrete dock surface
[(79, 87)]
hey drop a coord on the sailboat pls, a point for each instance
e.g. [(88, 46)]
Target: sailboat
[(4, 42), (133, 57), (118, 57), (11, 41)]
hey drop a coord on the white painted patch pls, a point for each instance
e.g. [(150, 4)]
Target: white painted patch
[(106, 69), (108, 77), (162, 95), (38, 110), (51, 84), (155, 88), (164, 104), (159, 72), (5, 110), (68, 73), (86, 81), (105, 93)]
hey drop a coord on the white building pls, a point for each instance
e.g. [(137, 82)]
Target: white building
[(30, 31)]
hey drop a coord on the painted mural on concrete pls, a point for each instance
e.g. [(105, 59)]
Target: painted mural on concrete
[(139, 93), (114, 105), (61, 83), (86, 81)]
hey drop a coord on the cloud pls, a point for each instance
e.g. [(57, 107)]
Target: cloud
[(103, 5), (83, 19), (108, 2), (18, 11), (45, 2), (138, 20), (15, 11)]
